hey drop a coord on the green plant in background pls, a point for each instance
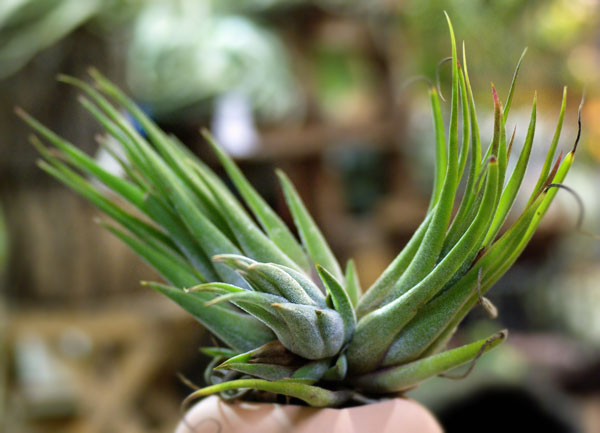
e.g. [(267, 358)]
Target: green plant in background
[(293, 322), (26, 27), (181, 53), (184, 53)]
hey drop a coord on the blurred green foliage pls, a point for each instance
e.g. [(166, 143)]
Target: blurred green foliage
[(182, 53), (498, 31), (185, 52)]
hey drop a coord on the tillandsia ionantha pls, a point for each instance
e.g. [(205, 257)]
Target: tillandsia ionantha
[(292, 322)]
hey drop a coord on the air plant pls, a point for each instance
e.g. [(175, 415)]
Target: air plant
[(290, 319)]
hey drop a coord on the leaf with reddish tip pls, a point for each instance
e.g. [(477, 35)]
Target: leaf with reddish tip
[(552, 150)]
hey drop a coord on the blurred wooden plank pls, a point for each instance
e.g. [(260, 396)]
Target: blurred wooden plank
[(60, 256), (293, 143), (132, 346)]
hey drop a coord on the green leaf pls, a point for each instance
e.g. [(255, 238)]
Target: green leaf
[(171, 153), (239, 297), (173, 270), (61, 172), (135, 157), (385, 282), (216, 288), (166, 217), (114, 149), (312, 238), (502, 147), (511, 91), (239, 331), (514, 183), (267, 278), (307, 285), (445, 313), (277, 230), (441, 315), (464, 149), (195, 215), (234, 261), (270, 353), (497, 149), (339, 370), (376, 331), (251, 239), (305, 330), (552, 150), (207, 235), (404, 377), (352, 283), (341, 301), (130, 192), (313, 333), (441, 157), (559, 177), (138, 149), (431, 246), (470, 194), (312, 395), (240, 265), (219, 352), (313, 371), (83, 162), (287, 286), (260, 370)]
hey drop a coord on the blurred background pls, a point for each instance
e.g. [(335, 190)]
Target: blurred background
[(314, 87)]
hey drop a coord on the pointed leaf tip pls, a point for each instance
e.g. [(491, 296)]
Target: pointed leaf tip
[(448, 19), (512, 140), (579, 122), (312, 238), (19, 112), (206, 133), (495, 95)]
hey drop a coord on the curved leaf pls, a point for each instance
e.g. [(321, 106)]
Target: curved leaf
[(313, 395), (403, 377)]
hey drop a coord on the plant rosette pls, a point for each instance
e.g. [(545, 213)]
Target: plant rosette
[(397, 415), (290, 319)]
